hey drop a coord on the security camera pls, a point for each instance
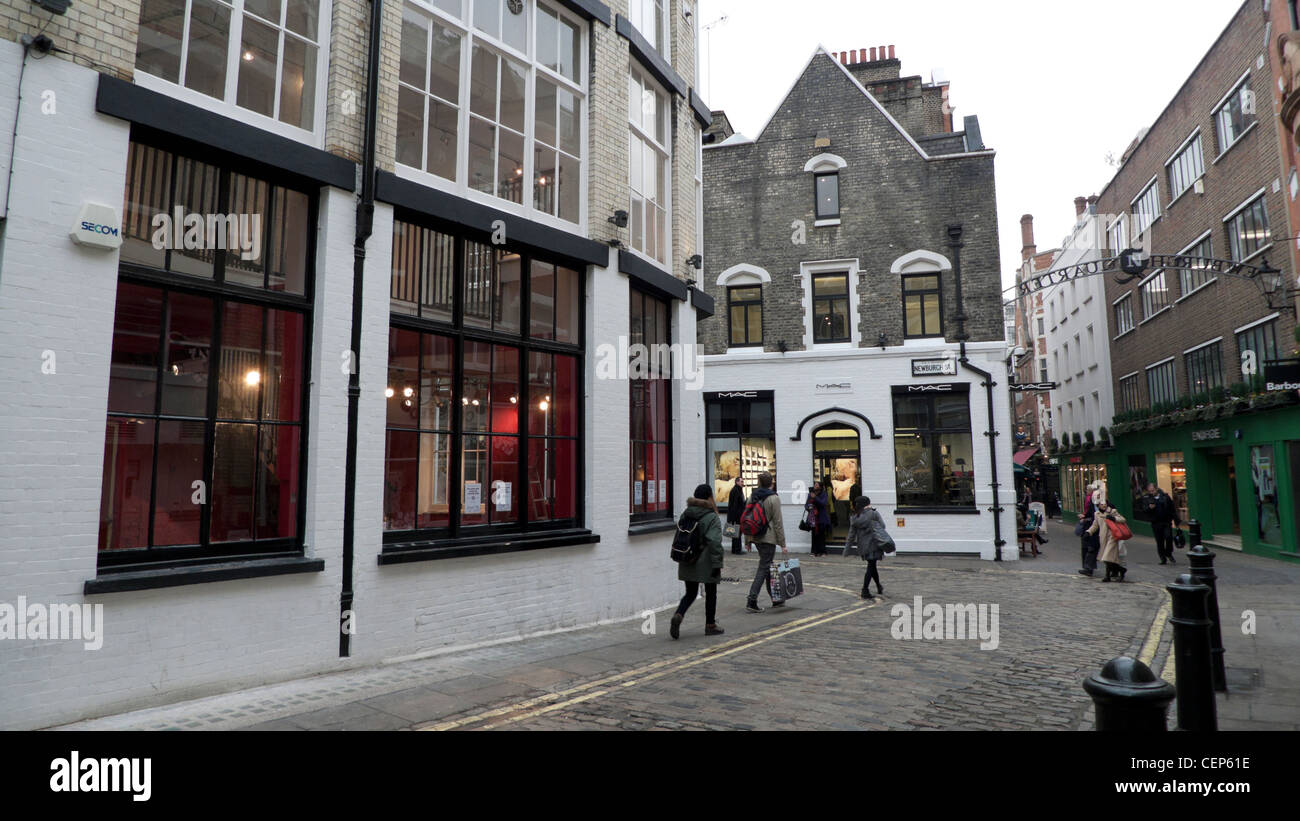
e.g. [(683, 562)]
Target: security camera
[(54, 6)]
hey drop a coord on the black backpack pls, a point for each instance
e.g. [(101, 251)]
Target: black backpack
[(688, 543)]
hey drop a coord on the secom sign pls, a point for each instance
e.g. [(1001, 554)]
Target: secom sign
[(98, 226)]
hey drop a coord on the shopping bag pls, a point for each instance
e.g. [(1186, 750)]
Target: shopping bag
[(1180, 539), (787, 580), (731, 531)]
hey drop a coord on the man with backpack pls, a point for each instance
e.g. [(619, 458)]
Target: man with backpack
[(761, 525)]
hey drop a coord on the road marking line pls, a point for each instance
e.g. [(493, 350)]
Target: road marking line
[(1154, 634), (1170, 674), (539, 705)]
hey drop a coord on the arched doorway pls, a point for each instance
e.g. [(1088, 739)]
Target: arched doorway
[(837, 464)]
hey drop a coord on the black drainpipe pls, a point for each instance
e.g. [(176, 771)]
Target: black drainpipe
[(955, 243), (365, 225)]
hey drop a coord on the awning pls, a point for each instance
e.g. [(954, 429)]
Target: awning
[(1022, 456), (1021, 470)]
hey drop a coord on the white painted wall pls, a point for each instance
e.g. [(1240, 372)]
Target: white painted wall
[(793, 378)]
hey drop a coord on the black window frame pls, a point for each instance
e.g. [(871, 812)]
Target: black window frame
[(1263, 334), (1205, 363), (937, 501), (634, 516), (919, 297), (1130, 397), (456, 532), (848, 308), (1158, 377), (732, 303), (221, 293), (817, 210)]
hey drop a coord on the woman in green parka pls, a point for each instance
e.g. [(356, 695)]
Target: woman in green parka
[(707, 569)]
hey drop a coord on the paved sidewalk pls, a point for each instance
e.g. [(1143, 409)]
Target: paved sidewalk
[(826, 661)]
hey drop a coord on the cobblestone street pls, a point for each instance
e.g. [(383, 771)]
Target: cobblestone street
[(826, 661)]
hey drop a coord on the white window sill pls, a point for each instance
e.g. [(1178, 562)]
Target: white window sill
[(825, 223), (1235, 142), (438, 183), (1124, 334), (1260, 252), (1153, 316), (1197, 289)]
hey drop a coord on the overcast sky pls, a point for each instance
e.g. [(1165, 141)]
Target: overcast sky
[(1057, 85)]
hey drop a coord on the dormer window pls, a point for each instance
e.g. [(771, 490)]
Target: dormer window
[(825, 169)]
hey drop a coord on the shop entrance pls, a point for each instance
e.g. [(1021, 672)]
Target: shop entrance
[(837, 460), (1225, 517)]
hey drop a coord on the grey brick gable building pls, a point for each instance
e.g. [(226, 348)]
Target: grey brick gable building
[(836, 350), (898, 192)]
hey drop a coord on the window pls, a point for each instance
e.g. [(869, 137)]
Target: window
[(482, 431), (1146, 208), (922, 311), (1041, 330), (826, 189), (258, 55), (1128, 393), (1194, 271), (745, 315), (1235, 114), (651, 418), (1042, 370), (1124, 314), (207, 394), (933, 456), (1155, 295), (1117, 235), (1262, 340), (741, 437), (830, 307), (649, 168), (651, 19), (1186, 167), (1162, 384), (1248, 229), (1204, 369), (483, 104)]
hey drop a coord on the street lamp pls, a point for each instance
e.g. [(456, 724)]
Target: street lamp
[(1269, 280)]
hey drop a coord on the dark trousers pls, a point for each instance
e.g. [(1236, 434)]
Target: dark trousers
[(735, 546), (1164, 534), (872, 573), (1114, 571), (1090, 548), (710, 600), (819, 542)]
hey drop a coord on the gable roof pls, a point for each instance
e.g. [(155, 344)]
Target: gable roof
[(988, 152)]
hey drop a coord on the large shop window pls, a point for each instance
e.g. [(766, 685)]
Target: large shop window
[(256, 55), (483, 419), (934, 461), (741, 433), (492, 96), (650, 428), (203, 452)]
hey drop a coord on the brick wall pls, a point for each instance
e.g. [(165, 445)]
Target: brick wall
[(98, 33), (892, 202), (1249, 165)]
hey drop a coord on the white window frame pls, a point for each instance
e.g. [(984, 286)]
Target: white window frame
[(460, 187), (1182, 285), (1150, 191), (1218, 108), (1121, 223), (1170, 164), (665, 152), (637, 13), (1147, 315), (226, 105), (833, 266), (1258, 196), (1115, 305)]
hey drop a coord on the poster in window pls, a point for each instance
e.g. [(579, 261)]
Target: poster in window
[(844, 478), (663, 490), (651, 497), (501, 492), (725, 460), (636, 494), (912, 464), (473, 498)]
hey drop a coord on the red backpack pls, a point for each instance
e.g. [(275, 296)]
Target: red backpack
[(754, 520)]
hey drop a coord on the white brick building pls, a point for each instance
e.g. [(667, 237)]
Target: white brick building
[(207, 515)]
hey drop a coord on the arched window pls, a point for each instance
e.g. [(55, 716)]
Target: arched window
[(825, 169)]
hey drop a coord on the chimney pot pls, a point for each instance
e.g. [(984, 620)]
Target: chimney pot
[(1080, 205), (1028, 248), (891, 52), (844, 57), (873, 54), (862, 55)]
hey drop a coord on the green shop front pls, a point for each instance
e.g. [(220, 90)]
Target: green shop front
[(1238, 475)]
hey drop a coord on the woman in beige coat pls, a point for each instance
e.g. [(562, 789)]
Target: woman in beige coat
[(1110, 546)]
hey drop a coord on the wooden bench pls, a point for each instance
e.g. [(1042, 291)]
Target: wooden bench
[(1025, 539)]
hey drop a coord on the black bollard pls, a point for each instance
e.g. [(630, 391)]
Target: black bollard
[(1193, 682), (1202, 562), (1129, 698), (1193, 533)]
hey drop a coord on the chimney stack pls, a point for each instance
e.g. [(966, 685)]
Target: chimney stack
[(1080, 205), (1028, 249), (891, 52)]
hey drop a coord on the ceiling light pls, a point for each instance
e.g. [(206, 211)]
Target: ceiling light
[(252, 378), (388, 392)]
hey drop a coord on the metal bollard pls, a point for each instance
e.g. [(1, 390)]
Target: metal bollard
[(1202, 562), (1129, 698), (1194, 682), (1193, 533)]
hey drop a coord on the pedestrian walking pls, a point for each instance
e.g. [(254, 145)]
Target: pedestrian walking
[(817, 517), (1112, 551), (735, 507), (767, 541), (867, 534), (1089, 542), (707, 569), (1163, 516)]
